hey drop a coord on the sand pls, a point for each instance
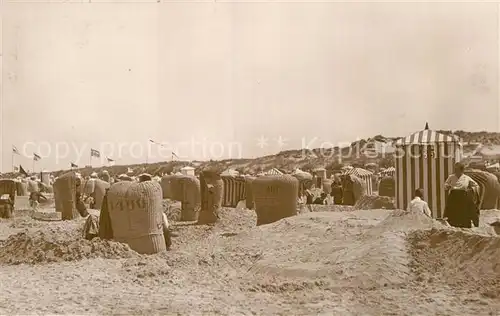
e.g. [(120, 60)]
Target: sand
[(330, 261)]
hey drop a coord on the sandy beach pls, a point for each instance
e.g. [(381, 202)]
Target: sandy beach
[(333, 261)]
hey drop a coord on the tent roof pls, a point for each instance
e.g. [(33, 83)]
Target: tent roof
[(359, 172), (427, 137), (274, 171), (301, 172), (319, 169)]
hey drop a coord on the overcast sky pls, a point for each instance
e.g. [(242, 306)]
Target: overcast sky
[(224, 74)]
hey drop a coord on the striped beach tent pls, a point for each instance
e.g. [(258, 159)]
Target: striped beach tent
[(365, 175), (424, 160), (273, 172), (389, 172), (234, 190)]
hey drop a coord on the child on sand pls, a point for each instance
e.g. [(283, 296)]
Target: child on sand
[(418, 204)]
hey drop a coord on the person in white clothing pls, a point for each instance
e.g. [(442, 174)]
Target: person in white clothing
[(167, 233), (418, 204), (458, 180)]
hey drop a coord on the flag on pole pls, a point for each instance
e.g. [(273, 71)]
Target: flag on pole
[(95, 153), (74, 165), (175, 155), (22, 171), (36, 157), (110, 160), (14, 150)]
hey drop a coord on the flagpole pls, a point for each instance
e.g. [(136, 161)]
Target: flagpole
[(149, 147), (33, 165), (90, 160), (12, 161)]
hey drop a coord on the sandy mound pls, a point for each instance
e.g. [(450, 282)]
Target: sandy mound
[(317, 248), (327, 250), (375, 202), (56, 245), (325, 208), (322, 251), (375, 258), (401, 221), (458, 258)]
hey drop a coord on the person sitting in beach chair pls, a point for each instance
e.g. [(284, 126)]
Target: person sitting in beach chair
[(91, 227), (6, 206), (80, 205)]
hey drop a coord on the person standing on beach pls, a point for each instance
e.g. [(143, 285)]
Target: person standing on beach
[(35, 199), (418, 205), (460, 209), (337, 192)]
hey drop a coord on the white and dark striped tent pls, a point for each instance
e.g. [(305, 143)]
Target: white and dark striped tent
[(234, 190), (365, 175), (273, 172), (424, 160), (389, 172)]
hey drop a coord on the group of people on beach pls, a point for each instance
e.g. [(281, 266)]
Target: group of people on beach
[(334, 197), (460, 209)]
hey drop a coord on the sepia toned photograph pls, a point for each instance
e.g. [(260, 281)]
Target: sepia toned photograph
[(239, 157)]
